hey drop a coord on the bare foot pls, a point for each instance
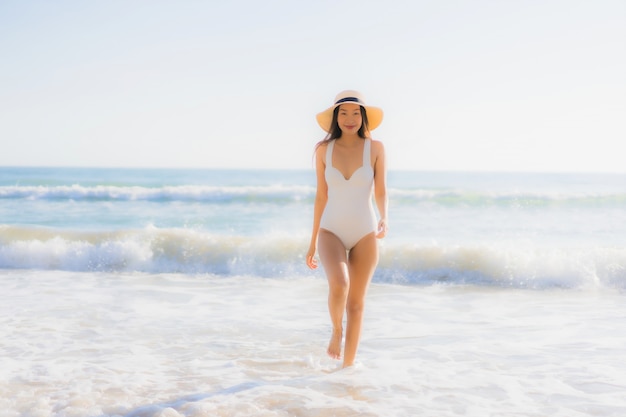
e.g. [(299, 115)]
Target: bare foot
[(334, 346)]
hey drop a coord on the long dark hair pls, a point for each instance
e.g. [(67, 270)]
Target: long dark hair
[(335, 130)]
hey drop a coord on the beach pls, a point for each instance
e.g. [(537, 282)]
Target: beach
[(150, 293)]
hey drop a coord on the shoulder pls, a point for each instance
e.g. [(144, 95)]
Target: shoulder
[(321, 147), (377, 146), (320, 151)]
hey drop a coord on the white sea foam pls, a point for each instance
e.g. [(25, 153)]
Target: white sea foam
[(507, 265), (190, 251), (155, 345)]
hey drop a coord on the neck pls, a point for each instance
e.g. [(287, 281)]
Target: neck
[(350, 138)]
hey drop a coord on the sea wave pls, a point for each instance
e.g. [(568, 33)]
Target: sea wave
[(285, 193), (166, 193), (154, 250)]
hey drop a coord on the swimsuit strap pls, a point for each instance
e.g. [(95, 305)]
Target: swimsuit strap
[(367, 157), (329, 153)]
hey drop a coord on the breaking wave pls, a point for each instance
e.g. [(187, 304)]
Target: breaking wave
[(154, 250)]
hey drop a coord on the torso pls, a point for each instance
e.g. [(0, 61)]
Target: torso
[(349, 212)]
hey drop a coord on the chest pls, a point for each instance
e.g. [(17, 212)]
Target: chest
[(348, 160)]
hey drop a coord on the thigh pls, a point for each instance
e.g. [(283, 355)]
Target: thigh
[(362, 262), (333, 256)]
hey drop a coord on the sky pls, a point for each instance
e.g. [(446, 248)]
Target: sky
[(482, 85)]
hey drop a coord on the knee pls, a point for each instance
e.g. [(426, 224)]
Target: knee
[(355, 308), (339, 287)]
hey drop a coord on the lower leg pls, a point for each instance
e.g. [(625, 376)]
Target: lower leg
[(336, 307), (362, 263), (353, 334)]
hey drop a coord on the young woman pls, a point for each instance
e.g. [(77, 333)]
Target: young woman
[(350, 169)]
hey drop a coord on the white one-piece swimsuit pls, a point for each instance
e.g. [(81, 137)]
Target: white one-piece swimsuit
[(349, 213)]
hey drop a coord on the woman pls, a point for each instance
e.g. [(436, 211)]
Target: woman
[(350, 167)]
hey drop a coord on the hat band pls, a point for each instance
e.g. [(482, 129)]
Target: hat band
[(349, 99)]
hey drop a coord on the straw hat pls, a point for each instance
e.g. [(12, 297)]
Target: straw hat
[(374, 114)]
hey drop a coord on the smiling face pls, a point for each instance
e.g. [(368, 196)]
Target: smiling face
[(349, 118)]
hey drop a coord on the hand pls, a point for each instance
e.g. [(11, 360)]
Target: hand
[(382, 229), (310, 259)]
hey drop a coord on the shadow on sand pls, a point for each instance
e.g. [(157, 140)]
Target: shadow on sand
[(156, 409)]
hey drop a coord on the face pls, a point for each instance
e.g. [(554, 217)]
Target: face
[(349, 118)]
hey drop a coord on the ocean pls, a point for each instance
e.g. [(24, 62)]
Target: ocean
[(163, 292)]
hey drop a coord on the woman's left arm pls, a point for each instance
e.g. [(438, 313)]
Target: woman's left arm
[(380, 187)]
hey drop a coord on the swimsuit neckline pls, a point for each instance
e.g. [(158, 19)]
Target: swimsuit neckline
[(343, 176), (337, 169)]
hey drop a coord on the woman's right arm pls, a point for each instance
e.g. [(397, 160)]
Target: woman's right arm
[(321, 196)]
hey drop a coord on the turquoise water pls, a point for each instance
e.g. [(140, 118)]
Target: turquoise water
[(521, 229)]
